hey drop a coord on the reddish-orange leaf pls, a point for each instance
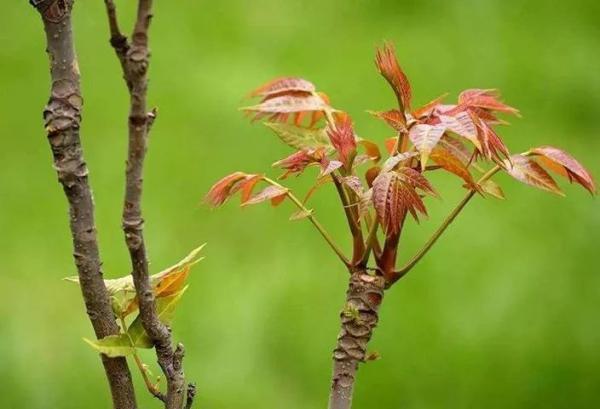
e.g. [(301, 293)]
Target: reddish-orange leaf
[(425, 138), (283, 85), (343, 140), (172, 282), (354, 183), (390, 145), (279, 108), (221, 191), (393, 196), (429, 107), (456, 148), (329, 166), (277, 200), (491, 144), (269, 193), (417, 180), (393, 118), (462, 125), (566, 165), (452, 164), (371, 149), (371, 174), (248, 185), (528, 171), (298, 161), (486, 99), (389, 68)]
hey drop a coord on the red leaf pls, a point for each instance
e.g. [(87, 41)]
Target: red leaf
[(486, 99), (393, 196), (425, 138), (371, 174), (491, 144), (221, 191), (528, 171), (279, 108), (329, 166), (277, 200), (283, 85), (371, 149), (456, 148), (461, 124), (248, 185), (274, 193), (354, 183), (417, 180), (429, 107), (568, 166), (393, 118), (389, 68), (452, 164), (343, 140), (390, 145), (298, 161)]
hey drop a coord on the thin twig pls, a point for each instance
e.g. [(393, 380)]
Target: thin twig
[(436, 235), (191, 394), (314, 221), (117, 39), (371, 241), (358, 245), (152, 388), (134, 60), (62, 118)]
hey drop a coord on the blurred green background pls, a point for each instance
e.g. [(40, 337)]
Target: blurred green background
[(503, 313)]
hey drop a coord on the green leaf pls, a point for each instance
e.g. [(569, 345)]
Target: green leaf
[(300, 138), (122, 291), (113, 345), (492, 188), (165, 308)]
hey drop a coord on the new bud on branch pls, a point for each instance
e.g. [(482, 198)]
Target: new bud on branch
[(459, 138)]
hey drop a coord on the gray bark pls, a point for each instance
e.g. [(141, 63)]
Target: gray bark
[(62, 117)]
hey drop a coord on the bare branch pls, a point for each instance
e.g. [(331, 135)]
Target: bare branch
[(191, 394), (134, 60), (62, 117), (117, 39)]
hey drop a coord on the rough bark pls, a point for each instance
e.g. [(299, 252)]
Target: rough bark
[(62, 117), (358, 318), (134, 60)]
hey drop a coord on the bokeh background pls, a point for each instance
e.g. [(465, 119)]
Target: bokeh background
[(503, 313)]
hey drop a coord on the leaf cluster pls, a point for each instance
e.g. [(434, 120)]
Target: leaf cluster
[(460, 138), (169, 286)]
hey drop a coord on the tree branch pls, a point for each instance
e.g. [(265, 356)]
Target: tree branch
[(358, 245), (62, 117), (437, 234), (134, 59), (359, 318), (117, 39), (314, 221)]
